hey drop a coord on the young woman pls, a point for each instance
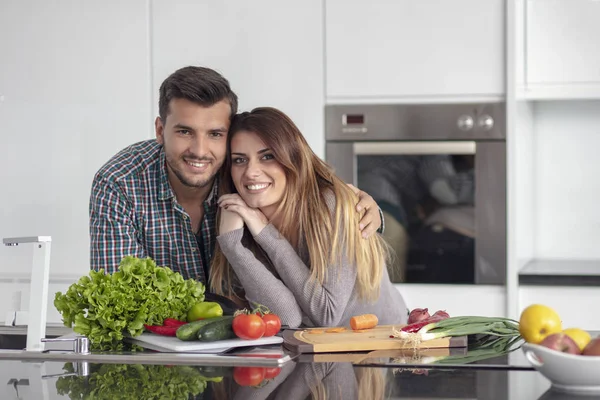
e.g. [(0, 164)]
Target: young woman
[(288, 232)]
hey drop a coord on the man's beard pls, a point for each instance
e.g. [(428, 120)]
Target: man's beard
[(188, 182)]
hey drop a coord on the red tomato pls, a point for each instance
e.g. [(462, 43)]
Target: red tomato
[(272, 372), (248, 376), (248, 326), (273, 324)]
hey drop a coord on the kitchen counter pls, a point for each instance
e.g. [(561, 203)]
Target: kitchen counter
[(280, 374), (561, 273), (296, 379)]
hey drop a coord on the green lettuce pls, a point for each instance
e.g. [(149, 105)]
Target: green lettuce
[(132, 381), (105, 307)]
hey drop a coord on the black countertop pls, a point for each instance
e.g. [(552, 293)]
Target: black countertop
[(380, 376), (561, 273)]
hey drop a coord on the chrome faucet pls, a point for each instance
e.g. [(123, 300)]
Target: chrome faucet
[(38, 289)]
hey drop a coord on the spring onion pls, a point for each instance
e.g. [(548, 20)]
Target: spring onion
[(462, 326)]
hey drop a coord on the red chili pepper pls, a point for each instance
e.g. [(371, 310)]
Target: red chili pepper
[(418, 325), (173, 322), (162, 330)]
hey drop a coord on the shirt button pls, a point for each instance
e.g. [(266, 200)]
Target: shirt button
[(185, 217), (193, 250)]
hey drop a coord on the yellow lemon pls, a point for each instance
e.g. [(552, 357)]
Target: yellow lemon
[(579, 336), (538, 321)]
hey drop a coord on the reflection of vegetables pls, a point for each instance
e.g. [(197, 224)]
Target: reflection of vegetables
[(483, 348), (104, 307), (132, 381), (248, 376)]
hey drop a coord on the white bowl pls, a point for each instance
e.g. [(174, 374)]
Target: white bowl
[(567, 372)]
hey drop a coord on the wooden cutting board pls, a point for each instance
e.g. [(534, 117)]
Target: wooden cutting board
[(378, 338)]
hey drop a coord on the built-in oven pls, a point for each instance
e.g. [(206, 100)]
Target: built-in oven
[(438, 173)]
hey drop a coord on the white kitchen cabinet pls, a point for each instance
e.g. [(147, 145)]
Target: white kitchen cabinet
[(562, 51), (575, 305), (271, 52), (406, 49)]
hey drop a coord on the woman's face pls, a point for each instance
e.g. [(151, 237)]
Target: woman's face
[(257, 176)]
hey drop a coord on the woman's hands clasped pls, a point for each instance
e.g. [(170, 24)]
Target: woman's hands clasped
[(235, 213)]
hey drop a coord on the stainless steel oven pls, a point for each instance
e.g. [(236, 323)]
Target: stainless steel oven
[(438, 172)]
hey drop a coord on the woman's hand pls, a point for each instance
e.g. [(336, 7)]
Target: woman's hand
[(254, 219), (230, 221), (371, 221)]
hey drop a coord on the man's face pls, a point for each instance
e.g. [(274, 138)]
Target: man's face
[(195, 140)]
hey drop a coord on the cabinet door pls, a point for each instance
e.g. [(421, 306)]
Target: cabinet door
[(270, 51), (562, 42), (407, 48)]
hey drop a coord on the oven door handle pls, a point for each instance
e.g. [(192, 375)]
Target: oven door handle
[(421, 148)]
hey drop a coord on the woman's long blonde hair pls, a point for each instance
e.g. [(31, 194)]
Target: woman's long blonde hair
[(303, 211)]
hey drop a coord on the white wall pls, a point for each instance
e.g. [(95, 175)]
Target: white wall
[(566, 161), (75, 82), (79, 81)]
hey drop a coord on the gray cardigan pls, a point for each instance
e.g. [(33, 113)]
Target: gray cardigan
[(289, 292)]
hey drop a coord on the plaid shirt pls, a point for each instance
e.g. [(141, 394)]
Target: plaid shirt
[(133, 211)]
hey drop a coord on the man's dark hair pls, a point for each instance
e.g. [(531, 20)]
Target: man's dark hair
[(200, 85)]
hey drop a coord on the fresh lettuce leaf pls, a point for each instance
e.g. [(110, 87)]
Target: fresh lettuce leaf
[(105, 307)]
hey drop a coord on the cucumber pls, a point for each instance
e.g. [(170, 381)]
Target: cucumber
[(190, 330), (217, 330)]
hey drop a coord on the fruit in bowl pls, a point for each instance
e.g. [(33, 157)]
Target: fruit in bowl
[(561, 342), (592, 348), (579, 336), (537, 322), (567, 372)]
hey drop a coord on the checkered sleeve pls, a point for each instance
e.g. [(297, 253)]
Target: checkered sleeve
[(112, 231)]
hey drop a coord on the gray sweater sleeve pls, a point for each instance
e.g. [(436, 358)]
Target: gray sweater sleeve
[(260, 285), (323, 303)]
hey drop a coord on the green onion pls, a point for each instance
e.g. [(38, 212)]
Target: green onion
[(464, 326)]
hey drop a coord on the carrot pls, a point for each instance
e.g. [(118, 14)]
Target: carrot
[(365, 321), (335, 330)]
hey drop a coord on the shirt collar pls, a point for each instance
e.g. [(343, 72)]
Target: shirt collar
[(165, 192), (213, 196)]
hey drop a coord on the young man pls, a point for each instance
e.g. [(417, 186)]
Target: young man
[(158, 198)]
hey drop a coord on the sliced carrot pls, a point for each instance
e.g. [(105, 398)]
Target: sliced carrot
[(365, 321), (336, 330), (315, 331)]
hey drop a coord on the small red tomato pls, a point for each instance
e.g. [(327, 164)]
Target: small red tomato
[(248, 376), (272, 372), (248, 326), (273, 324)]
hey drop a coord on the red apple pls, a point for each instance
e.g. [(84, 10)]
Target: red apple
[(561, 342), (592, 348)]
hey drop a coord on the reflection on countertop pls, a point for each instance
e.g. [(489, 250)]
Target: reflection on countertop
[(294, 380)]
